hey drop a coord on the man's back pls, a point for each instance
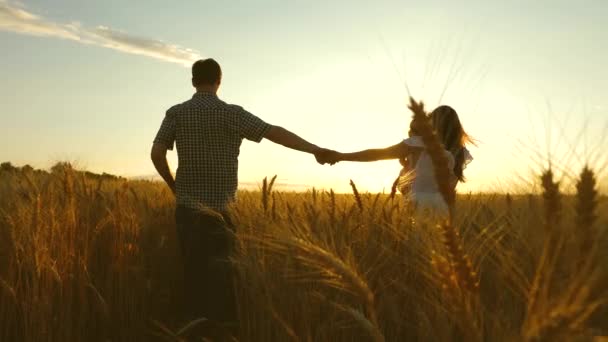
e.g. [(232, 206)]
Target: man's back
[(208, 134)]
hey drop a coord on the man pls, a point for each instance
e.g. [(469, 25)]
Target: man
[(208, 134)]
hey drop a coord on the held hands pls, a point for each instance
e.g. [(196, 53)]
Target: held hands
[(325, 156)]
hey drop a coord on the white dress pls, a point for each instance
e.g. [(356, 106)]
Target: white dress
[(417, 179)]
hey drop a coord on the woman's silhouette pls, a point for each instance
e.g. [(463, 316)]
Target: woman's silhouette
[(417, 180)]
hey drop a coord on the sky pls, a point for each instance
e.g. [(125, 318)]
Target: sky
[(89, 82)]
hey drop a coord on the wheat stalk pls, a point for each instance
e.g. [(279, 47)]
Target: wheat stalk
[(451, 238), (460, 261), (371, 328), (586, 204), (435, 150), (265, 194), (344, 276), (552, 200), (357, 195)]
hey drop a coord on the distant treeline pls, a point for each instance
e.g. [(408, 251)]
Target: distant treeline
[(58, 168)]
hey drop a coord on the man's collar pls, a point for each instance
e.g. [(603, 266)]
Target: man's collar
[(204, 94)]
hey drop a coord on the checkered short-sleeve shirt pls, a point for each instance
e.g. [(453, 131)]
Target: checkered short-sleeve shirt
[(208, 133)]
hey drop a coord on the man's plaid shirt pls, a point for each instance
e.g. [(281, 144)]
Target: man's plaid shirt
[(208, 134)]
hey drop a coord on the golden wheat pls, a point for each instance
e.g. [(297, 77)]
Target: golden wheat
[(586, 205), (91, 258)]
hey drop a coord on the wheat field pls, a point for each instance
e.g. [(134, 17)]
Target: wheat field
[(85, 257)]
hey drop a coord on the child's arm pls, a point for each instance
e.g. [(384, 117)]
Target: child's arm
[(397, 151)]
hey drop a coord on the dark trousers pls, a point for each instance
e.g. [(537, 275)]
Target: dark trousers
[(206, 242)]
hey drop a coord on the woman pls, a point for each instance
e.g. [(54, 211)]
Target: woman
[(417, 179)]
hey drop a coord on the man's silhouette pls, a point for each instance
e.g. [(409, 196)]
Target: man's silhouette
[(208, 134)]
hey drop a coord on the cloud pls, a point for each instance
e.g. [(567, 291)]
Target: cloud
[(121, 41), (15, 18)]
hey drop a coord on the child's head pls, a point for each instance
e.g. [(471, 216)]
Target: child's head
[(449, 129), (447, 125)]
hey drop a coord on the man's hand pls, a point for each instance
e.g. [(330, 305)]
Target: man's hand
[(325, 156), (159, 159)]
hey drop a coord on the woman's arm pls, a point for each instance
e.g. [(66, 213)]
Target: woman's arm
[(397, 151)]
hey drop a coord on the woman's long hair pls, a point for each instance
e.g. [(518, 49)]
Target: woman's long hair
[(449, 129)]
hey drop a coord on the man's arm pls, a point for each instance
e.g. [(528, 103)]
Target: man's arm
[(253, 128), (281, 136), (159, 159)]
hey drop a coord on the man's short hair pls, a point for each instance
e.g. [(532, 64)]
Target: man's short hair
[(206, 71)]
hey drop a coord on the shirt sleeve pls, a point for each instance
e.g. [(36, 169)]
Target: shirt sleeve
[(250, 126), (415, 141), (166, 133)]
